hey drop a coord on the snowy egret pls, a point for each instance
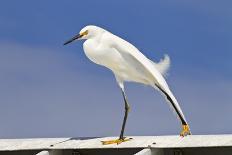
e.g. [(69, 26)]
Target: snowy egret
[(128, 64)]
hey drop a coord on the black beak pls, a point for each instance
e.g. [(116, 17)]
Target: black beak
[(74, 38)]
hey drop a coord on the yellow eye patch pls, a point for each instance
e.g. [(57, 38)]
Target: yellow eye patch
[(84, 33)]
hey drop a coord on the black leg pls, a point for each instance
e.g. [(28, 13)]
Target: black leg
[(127, 108), (121, 137)]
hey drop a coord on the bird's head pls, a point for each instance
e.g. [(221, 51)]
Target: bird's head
[(87, 32)]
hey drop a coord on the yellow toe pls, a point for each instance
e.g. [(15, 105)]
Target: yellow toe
[(116, 141), (185, 131)]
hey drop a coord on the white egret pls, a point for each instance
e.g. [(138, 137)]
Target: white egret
[(128, 64)]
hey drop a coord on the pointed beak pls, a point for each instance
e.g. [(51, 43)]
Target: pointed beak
[(74, 38)]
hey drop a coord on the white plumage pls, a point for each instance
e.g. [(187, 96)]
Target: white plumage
[(163, 65), (127, 63)]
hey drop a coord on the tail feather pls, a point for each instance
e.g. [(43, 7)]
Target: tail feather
[(163, 65)]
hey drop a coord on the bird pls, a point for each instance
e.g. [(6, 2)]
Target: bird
[(128, 64)]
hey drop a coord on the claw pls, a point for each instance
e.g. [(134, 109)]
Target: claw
[(185, 131), (116, 141)]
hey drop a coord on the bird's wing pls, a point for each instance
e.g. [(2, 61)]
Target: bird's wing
[(133, 55), (163, 65)]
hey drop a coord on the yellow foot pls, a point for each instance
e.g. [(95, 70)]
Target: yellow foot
[(185, 131), (116, 141)]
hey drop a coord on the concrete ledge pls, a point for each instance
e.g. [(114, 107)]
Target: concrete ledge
[(139, 142)]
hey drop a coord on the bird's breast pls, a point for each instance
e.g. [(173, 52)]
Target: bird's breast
[(102, 54)]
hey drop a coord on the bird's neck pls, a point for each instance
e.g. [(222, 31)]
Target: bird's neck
[(97, 38)]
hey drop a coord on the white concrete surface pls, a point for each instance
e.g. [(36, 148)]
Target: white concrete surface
[(149, 151), (28, 144), (50, 152), (137, 142), (43, 153), (192, 141)]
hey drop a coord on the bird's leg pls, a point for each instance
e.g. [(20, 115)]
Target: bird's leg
[(185, 130), (127, 109), (185, 127), (121, 137)]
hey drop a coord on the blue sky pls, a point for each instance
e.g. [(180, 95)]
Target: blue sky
[(48, 90)]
